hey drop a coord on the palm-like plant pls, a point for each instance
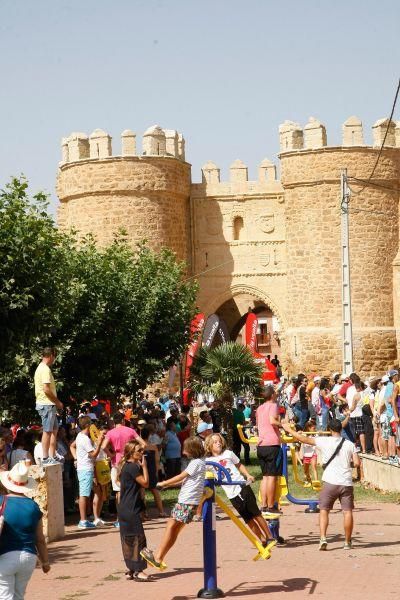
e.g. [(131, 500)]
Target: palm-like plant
[(225, 371)]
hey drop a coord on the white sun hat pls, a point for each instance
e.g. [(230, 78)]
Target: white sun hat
[(18, 480)]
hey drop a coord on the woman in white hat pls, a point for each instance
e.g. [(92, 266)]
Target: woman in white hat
[(22, 536)]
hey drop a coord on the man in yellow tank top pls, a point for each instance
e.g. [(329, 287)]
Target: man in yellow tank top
[(47, 404)]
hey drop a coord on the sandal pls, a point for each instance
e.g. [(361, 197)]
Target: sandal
[(197, 518), (149, 558), (140, 576)]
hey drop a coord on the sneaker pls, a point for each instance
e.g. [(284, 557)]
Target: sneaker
[(307, 484), (86, 525), (269, 543), (323, 544), (392, 460), (116, 524), (50, 460), (273, 513), (280, 541), (99, 523), (347, 545)]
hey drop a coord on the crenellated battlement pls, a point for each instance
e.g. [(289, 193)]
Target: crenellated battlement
[(98, 145), (238, 181), (313, 135)]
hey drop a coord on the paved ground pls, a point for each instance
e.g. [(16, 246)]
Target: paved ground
[(89, 564)]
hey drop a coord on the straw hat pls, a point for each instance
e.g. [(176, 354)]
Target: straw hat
[(17, 480)]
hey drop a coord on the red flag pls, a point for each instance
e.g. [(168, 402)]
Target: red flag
[(251, 332), (196, 328)]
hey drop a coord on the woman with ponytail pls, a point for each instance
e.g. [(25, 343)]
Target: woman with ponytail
[(133, 476)]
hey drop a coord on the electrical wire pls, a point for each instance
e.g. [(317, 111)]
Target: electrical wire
[(207, 270), (379, 185), (383, 143), (372, 212)]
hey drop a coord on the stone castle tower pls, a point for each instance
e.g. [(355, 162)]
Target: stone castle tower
[(270, 246)]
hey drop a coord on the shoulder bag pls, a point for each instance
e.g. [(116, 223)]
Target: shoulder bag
[(328, 462)]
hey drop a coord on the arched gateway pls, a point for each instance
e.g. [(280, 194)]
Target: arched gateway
[(234, 306)]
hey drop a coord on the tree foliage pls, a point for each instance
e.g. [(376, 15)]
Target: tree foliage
[(225, 371), (118, 317)]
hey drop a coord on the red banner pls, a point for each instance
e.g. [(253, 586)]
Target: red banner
[(196, 328), (269, 373), (251, 332)]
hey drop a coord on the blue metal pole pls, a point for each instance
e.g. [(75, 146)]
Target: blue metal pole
[(210, 589)]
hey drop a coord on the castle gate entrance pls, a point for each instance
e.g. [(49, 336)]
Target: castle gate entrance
[(234, 312)]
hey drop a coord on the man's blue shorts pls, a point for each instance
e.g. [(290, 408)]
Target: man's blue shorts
[(85, 479), (48, 414)]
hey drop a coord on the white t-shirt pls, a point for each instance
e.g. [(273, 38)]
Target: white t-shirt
[(357, 408), (315, 396), (339, 471), (83, 446), (308, 450), (192, 487), (228, 459)]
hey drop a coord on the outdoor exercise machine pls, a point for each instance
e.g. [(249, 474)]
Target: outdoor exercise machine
[(283, 488), (221, 477)]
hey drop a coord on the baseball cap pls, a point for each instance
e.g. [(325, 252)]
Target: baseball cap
[(317, 378), (202, 427), (385, 379), (392, 372)]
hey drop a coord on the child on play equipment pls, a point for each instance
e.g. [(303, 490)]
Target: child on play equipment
[(241, 497), (190, 495), (309, 457)]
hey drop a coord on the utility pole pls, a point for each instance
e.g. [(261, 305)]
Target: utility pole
[(347, 329)]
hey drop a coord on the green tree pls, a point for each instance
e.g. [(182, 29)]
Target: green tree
[(118, 317), (37, 287), (132, 319), (225, 371)]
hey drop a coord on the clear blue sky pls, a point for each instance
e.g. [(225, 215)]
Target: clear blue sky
[(224, 72)]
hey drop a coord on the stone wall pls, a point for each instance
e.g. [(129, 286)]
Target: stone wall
[(147, 196), (247, 263), (311, 180)]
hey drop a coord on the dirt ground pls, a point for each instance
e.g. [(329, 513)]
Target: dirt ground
[(89, 564)]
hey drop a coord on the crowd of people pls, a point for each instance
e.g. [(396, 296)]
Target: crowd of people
[(108, 461), (369, 410)]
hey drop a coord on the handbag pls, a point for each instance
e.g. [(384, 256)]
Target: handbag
[(334, 454), (103, 471), (2, 509)]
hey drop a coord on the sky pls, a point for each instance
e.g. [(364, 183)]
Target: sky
[(225, 73)]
